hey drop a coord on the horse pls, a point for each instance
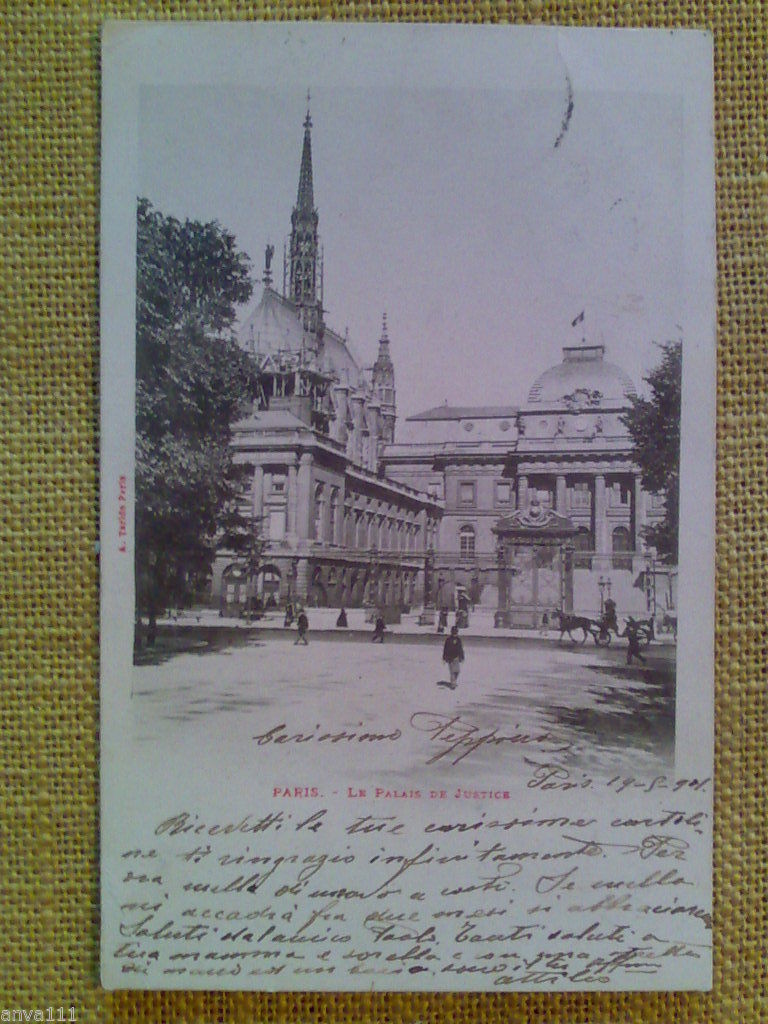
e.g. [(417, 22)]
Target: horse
[(571, 622)]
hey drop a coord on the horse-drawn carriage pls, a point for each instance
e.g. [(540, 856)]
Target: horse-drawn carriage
[(601, 629)]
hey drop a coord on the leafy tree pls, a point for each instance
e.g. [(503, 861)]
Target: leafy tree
[(654, 425), (192, 381)]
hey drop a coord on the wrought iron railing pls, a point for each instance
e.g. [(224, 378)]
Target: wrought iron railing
[(602, 561), (387, 556)]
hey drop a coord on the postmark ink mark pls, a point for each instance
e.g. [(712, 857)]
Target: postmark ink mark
[(568, 113)]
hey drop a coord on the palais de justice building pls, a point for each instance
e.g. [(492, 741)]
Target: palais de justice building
[(524, 508)]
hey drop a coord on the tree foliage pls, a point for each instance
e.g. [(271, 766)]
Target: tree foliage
[(192, 382), (654, 425)]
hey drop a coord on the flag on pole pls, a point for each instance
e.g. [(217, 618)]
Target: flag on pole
[(579, 319)]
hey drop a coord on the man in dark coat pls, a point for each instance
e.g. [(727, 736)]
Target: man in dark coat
[(302, 624), (453, 654), (341, 622), (631, 632), (378, 630)]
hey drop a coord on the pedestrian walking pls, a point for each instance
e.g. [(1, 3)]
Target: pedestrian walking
[(302, 624), (453, 654), (288, 621), (609, 616), (442, 620), (378, 630), (633, 641)]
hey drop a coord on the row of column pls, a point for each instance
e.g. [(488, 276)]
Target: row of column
[(600, 506), (300, 505), (349, 534)]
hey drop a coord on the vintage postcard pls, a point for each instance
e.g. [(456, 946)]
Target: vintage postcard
[(408, 405)]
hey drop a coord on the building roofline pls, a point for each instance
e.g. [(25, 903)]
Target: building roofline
[(386, 483), (461, 412)]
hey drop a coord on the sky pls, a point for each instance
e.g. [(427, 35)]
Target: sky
[(450, 208)]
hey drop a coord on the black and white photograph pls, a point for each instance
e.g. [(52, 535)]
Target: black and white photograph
[(407, 530)]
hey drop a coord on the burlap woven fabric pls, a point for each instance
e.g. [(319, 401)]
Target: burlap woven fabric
[(49, 367)]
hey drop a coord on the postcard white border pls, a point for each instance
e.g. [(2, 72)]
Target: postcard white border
[(135, 54)]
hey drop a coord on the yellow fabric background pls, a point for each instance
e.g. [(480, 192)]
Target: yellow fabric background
[(49, 380)]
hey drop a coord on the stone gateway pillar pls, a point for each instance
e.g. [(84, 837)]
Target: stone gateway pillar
[(501, 618), (566, 554)]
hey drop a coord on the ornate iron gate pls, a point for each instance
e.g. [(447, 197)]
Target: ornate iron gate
[(535, 566), (536, 584)]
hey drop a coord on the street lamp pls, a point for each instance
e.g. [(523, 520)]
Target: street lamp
[(604, 583), (253, 557)]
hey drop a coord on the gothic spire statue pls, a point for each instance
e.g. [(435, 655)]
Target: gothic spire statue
[(269, 252), (383, 381), (304, 244), (383, 368), (305, 200)]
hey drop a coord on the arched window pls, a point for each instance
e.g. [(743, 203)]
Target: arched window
[(467, 542), (317, 530), (333, 515), (346, 540), (620, 543), (362, 530)]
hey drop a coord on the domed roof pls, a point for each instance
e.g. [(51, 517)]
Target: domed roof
[(275, 326), (583, 378)]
